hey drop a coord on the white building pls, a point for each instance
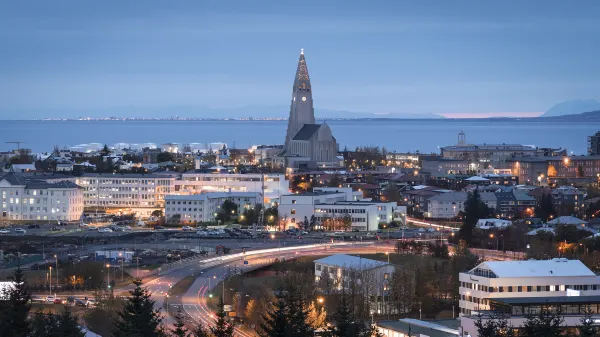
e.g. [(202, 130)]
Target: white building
[(128, 193), (272, 186), (342, 268), (204, 207), (39, 200), (448, 205), (493, 223), (333, 202), (532, 278)]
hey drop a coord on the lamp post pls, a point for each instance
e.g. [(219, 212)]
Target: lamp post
[(56, 257), (492, 236), (50, 278), (108, 275)]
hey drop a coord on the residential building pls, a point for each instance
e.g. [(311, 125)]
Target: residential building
[(204, 207), (449, 205), (417, 197), (493, 223), (515, 204), (125, 193), (594, 144), (538, 170), (503, 179), (438, 166), (271, 186), (573, 309), (567, 199), (263, 153), (492, 280), (39, 200)]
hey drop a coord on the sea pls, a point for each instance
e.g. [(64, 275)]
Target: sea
[(402, 135)]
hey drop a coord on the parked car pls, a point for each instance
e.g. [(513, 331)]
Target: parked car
[(158, 227), (80, 303), (55, 229), (105, 230), (92, 228), (20, 231), (187, 229), (4, 231), (58, 301), (33, 226), (431, 229), (50, 299)]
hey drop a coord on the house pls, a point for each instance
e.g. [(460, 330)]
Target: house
[(492, 224), (567, 199), (205, 207), (449, 205), (22, 167)]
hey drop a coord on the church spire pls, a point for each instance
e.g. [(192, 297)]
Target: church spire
[(302, 81)]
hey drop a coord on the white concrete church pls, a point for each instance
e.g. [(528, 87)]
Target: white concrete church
[(307, 144)]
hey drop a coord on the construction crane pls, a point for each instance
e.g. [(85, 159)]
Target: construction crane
[(18, 144)]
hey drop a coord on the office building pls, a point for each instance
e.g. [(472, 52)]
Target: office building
[(271, 186), (205, 207)]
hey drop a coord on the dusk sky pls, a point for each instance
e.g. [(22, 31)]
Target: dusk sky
[(453, 58)]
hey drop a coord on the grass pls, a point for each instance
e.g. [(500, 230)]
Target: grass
[(182, 286)]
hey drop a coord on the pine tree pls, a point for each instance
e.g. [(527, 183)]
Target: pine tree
[(587, 327), (475, 209), (222, 328), (297, 312), (39, 324), (345, 326), (275, 321), (544, 324), (67, 325), (179, 325), (200, 331), (138, 317), (15, 309)]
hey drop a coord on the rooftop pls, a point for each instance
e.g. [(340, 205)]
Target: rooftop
[(313, 194), (567, 220), (213, 195), (438, 328), (349, 261), (307, 131), (123, 175), (546, 300), (536, 268)]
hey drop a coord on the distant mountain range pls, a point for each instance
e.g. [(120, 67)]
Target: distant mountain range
[(590, 116), (572, 107)]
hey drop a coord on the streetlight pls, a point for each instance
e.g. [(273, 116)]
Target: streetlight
[(320, 300), (122, 260), (50, 280), (388, 256), (108, 275), (56, 257), (492, 236)]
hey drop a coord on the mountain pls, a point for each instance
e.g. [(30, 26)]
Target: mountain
[(590, 116), (572, 107)]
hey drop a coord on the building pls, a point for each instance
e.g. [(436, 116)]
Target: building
[(594, 144), (330, 203), (493, 223), (204, 207), (567, 199), (502, 179), (24, 199), (449, 205), (515, 204), (540, 170), (493, 280), (437, 166), (496, 155), (418, 197), (307, 144), (573, 309), (125, 193), (272, 186), (410, 327)]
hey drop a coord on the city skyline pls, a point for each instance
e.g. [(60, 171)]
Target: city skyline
[(513, 59)]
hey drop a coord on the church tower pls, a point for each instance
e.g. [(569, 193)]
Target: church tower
[(301, 109)]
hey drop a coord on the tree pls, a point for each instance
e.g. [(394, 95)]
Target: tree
[(229, 208), (275, 321), (179, 325), (164, 157), (475, 209), (67, 325), (157, 213), (297, 311), (222, 328), (102, 316), (493, 326), (587, 327), (391, 193), (546, 207), (317, 316), (335, 181), (138, 318), (200, 331), (344, 322), (15, 309), (105, 151), (544, 324), (39, 324)]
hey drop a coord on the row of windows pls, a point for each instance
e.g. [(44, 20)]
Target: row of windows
[(340, 210), (174, 209), (519, 289)]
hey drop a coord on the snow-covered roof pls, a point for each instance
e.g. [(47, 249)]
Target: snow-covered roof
[(542, 229), (477, 178), (536, 268), (567, 220), (349, 261)]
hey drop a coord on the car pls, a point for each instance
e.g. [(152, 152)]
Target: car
[(404, 227), (187, 229), (379, 231), (58, 301), (299, 236), (4, 231), (201, 233), (50, 299), (158, 228), (421, 230), (126, 228), (55, 229), (92, 228), (431, 229), (80, 303), (20, 231), (105, 230), (83, 225), (304, 233), (33, 226)]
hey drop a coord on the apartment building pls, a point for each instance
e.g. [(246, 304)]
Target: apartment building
[(39, 200), (493, 280), (127, 193), (204, 207)]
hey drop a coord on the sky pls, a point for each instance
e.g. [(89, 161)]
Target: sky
[(454, 58)]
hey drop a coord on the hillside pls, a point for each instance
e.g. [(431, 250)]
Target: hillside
[(572, 107)]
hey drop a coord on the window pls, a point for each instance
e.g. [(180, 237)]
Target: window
[(519, 289), (529, 288), (293, 201), (293, 211), (318, 267)]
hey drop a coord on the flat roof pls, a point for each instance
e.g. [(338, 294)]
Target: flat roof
[(349, 261), (537, 268), (212, 195), (313, 194), (124, 175), (437, 328)]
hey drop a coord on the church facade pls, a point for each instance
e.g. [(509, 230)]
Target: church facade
[(307, 144)]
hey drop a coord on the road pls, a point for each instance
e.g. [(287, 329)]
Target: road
[(194, 300)]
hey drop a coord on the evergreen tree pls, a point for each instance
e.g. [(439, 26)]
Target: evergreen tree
[(275, 321), (546, 207), (475, 209), (587, 327), (138, 317), (39, 324), (67, 325), (345, 326), (179, 325), (297, 312), (15, 308), (222, 328), (200, 331), (544, 324)]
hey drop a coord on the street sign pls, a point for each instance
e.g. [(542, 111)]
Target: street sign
[(227, 308), (245, 262)]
